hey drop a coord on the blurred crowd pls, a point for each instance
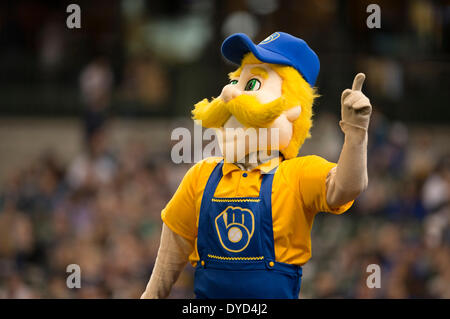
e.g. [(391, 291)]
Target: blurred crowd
[(102, 212), (400, 223)]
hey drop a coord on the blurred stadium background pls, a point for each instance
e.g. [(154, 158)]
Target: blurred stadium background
[(86, 116)]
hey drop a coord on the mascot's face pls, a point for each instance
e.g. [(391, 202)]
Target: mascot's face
[(264, 84), (264, 107)]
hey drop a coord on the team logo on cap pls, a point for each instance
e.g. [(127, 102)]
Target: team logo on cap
[(270, 38)]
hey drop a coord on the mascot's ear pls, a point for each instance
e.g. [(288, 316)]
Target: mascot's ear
[(293, 113)]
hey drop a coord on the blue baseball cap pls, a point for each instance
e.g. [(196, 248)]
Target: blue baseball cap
[(278, 48)]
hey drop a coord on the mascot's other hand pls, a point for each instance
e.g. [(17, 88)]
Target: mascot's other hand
[(355, 106)]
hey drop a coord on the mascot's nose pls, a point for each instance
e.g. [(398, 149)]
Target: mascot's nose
[(229, 92)]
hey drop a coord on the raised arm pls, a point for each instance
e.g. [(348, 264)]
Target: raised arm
[(173, 254), (349, 178)]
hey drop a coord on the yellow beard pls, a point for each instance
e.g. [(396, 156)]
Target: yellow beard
[(211, 114), (246, 108)]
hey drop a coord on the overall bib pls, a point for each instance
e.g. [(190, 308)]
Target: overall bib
[(236, 247)]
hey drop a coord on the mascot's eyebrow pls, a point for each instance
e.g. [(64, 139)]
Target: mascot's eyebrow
[(260, 71)]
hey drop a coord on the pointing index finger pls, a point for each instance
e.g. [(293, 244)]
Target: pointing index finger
[(358, 82)]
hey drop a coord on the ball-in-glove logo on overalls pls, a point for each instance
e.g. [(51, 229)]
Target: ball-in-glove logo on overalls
[(235, 227)]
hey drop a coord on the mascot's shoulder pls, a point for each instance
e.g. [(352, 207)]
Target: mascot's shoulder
[(206, 165), (296, 166), (304, 161), (209, 161)]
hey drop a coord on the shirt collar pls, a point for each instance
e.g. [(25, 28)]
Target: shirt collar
[(265, 167)]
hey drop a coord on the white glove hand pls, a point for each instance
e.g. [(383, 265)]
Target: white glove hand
[(355, 106)]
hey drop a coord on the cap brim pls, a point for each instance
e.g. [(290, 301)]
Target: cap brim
[(237, 45)]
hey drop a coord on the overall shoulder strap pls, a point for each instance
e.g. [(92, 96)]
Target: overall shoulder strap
[(266, 215), (208, 194), (213, 181)]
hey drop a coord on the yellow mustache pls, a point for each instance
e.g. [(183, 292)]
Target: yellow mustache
[(246, 108)]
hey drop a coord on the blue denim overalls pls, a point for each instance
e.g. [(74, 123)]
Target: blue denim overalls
[(236, 247)]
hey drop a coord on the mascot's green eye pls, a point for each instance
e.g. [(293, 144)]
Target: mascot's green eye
[(253, 85), (233, 81)]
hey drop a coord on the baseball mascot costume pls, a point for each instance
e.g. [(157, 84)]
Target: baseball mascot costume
[(244, 222)]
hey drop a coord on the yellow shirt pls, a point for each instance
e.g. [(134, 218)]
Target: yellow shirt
[(298, 193)]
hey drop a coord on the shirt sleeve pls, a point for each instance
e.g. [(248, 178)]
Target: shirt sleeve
[(180, 213), (313, 189)]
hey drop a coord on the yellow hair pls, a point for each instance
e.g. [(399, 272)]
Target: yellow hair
[(295, 91)]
